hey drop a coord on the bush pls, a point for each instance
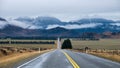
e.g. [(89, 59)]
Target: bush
[(67, 44)]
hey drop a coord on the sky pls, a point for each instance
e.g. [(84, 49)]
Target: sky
[(64, 10)]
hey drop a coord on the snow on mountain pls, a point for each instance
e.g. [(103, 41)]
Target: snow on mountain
[(47, 27), (51, 22), (3, 23), (24, 19), (38, 22), (95, 20)]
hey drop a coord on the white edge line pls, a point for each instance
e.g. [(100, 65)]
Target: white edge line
[(30, 61)]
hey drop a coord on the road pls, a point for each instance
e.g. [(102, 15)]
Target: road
[(69, 59)]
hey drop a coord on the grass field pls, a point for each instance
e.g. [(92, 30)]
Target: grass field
[(11, 54), (30, 45), (100, 44), (12, 60), (105, 48)]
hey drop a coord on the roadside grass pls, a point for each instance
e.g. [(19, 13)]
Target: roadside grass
[(107, 56), (113, 55), (105, 48), (16, 54), (11, 60)]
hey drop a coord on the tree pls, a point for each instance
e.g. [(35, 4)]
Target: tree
[(67, 44)]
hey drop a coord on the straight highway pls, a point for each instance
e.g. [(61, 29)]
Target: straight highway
[(68, 59)]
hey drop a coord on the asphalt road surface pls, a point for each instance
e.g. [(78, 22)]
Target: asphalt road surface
[(69, 59)]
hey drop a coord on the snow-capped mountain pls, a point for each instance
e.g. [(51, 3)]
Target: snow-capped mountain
[(53, 27), (46, 23), (51, 22), (39, 22), (3, 23)]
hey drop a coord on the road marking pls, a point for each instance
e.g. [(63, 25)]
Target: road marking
[(74, 64), (34, 59)]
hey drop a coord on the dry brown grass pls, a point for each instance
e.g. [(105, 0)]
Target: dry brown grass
[(10, 60), (101, 44), (11, 54), (112, 57), (15, 56), (30, 45)]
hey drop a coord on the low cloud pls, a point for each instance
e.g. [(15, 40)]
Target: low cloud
[(3, 24), (116, 24), (35, 27), (18, 23), (52, 26), (23, 24), (75, 26), (91, 25)]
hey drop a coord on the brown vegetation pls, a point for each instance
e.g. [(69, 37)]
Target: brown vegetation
[(9, 56), (113, 55), (109, 44), (4, 51)]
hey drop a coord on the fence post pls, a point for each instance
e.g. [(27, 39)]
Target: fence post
[(39, 50)]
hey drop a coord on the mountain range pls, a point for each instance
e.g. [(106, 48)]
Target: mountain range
[(53, 27)]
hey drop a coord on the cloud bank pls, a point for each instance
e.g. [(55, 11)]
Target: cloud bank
[(3, 24), (75, 26), (63, 9), (116, 24)]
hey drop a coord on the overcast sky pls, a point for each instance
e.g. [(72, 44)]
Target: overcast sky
[(63, 9)]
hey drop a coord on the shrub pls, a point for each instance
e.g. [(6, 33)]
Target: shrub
[(67, 44)]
